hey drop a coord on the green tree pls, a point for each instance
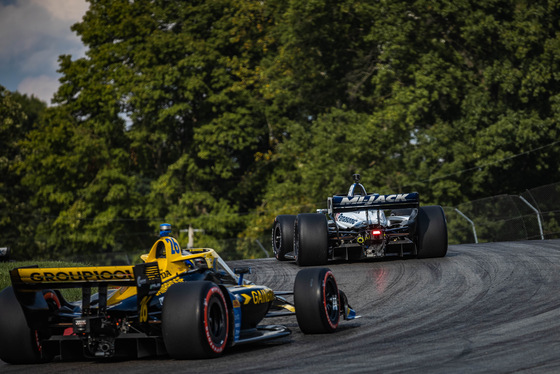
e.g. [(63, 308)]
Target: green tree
[(18, 115), (460, 96), (157, 123), (500, 134), (221, 114)]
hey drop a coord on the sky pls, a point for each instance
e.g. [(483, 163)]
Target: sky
[(33, 34)]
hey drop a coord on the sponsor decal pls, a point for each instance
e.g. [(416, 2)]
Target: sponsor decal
[(236, 320), (342, 218), (166, 274), (258, 296), (67, 275), (374, 199), (262, 296), (168, 284)]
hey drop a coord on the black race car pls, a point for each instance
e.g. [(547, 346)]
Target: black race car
[(185, 304), (358, 225)]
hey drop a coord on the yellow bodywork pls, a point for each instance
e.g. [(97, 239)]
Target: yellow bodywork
[(99, 274), (172, 261)]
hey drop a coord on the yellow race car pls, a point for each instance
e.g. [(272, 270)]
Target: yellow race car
[(186, 304)]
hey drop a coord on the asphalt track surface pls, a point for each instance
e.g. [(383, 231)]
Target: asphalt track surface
[(484, 308)]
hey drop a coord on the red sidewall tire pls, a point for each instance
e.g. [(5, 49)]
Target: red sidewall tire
[(317, 301), (215, 307), (195, 320)]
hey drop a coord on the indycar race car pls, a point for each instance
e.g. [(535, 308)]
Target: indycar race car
[(359, 225), (186, 304)]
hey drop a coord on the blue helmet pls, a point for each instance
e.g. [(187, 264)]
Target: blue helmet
[(164, 229)]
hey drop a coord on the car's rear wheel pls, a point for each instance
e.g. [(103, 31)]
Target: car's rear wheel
[(311, 239), (283, 236), (18, 343), (432, 232), (317, 301), (195, 320)]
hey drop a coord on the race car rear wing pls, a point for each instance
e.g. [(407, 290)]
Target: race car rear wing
[(337, 204), (28, 281), (72, 277)]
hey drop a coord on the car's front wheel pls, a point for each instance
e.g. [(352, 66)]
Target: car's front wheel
[(317, 301)]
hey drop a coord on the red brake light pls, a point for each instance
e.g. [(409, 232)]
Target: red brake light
[(376, 232)]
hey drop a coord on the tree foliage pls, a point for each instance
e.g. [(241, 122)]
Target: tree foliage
[(221, 114), (18, 116)]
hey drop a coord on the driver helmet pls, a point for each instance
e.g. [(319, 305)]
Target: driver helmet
[(164, 229)]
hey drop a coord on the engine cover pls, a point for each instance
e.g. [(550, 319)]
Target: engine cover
[(360, 219)]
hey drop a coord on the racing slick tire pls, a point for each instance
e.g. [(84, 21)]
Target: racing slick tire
[(283, 236), (195, 320), (311, 239), (432, 232), (18, 343), (317, 301)]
